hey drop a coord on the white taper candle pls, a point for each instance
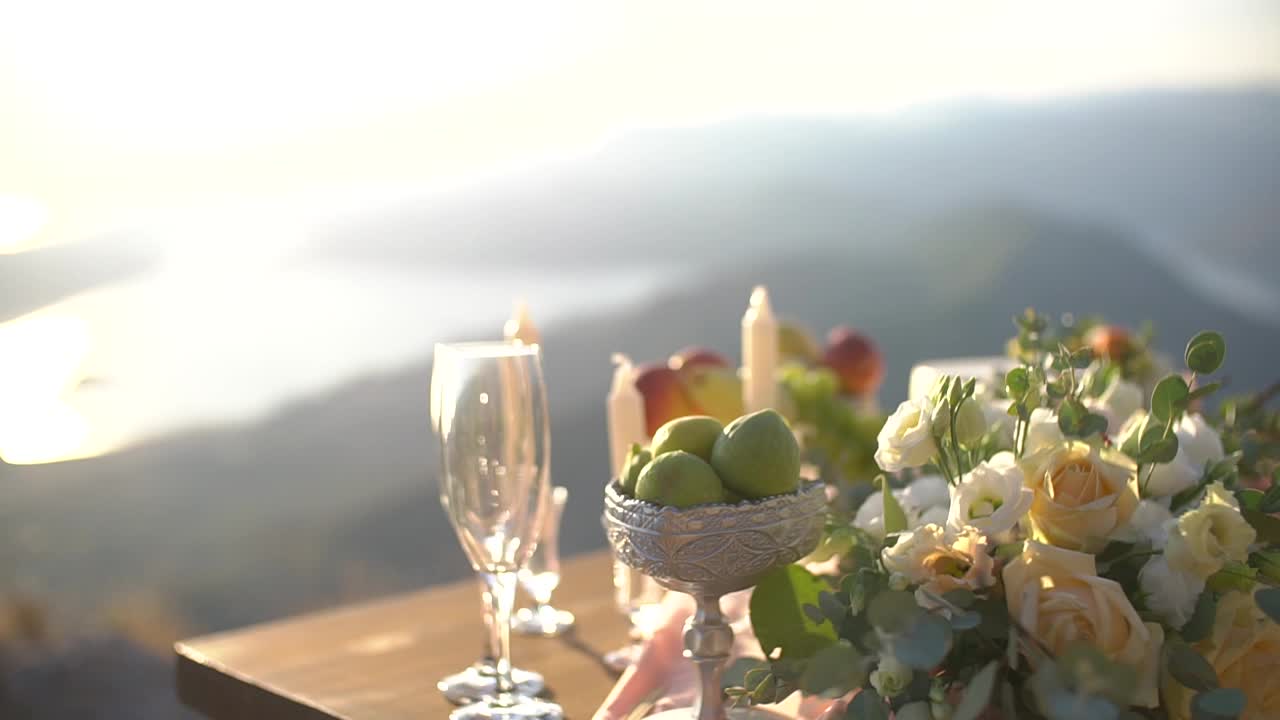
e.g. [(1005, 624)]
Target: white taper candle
[(759, 353)]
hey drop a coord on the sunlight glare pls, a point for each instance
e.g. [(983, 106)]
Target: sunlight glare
[(21, 219), (40, 363)]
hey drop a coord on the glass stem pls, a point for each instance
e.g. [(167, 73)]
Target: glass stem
[(489, 652), (500, 591)]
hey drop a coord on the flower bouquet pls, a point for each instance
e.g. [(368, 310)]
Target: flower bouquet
[(1095, 548)]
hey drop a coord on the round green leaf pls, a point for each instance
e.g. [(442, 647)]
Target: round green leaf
[(778, 617), (1016, 382), (867, 705), (836, 669), (1205, 352), (893, 611), (1218, 704), (1169, 397), (1189, 668), (924, 644), (895, 519), (1268, 601)]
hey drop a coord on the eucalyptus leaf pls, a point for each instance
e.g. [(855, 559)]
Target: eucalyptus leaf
[(835, 669), (1268, 601), (1161, 450), (831, 606), (1189, 667), (977, 694), (1200, 624), (1218, 704), (960, 597), (1203, 390), (893, 611), (1249, 499), (777, 617), (1205, 352), (966, 620), (895, 519), (867, 705), (1267, 526), (1169, 397), (924, 643)]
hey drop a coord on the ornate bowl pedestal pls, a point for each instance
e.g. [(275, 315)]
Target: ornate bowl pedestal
[(709, 551)]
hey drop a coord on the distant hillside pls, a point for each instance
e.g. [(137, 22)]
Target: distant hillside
[(333, 498), (1191, 174)]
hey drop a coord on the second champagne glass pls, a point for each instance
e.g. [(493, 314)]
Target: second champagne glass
[(541, 575), (488, 403)]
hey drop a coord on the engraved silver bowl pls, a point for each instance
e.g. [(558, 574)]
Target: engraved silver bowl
[(708, 551)]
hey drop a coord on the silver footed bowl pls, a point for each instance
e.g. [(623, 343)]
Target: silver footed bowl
[(708, 551), (718, 548)]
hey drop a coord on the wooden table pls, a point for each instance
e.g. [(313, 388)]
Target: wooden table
[(381, 660)]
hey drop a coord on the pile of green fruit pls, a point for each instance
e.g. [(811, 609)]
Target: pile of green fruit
[(695, 460)]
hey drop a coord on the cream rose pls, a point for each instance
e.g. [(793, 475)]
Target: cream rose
[(1057, 595), (938, 562), (1208, 537), (1244, 650), (1083, 495), (1170, 594), (991, 497), (906, 440)]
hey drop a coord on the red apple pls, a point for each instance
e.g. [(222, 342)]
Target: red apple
[(694, 356), (855, 359), (1109, 341), (665, 396)]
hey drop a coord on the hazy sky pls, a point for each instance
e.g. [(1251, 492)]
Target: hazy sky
[(109, 110)]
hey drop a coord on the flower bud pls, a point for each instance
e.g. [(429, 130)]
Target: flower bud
[(891, 678), (971, 424)]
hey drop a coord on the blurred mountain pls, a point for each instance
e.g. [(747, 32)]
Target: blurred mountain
[(1192, 175), (333, 498)]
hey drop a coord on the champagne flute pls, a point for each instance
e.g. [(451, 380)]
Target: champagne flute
[(488, 404), (639, 598), (541, 575), (480, 678)]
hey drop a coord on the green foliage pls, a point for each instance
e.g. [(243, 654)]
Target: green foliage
[(1218, 704), (1233, 576), (867, 705), (1205, 352), (1268, 601), (835, 435), (1169, 398), (834, 669), (895, 519), (778, 618), (1200, 624), (1189, 667)]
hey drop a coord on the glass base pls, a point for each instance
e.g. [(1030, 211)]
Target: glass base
[(479, 681), (544, 620), (509, 707)]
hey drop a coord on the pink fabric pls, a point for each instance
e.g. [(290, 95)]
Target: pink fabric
[(662, 665)]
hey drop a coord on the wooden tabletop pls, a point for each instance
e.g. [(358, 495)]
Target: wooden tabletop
[(381, 660)]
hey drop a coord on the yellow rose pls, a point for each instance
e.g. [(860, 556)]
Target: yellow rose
[(1244, 649), (1082, 495), (1057, 595), (1208, 537)]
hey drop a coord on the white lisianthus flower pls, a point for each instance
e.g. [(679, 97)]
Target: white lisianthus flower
[(1042, 430), (923, 501), (1171, 594), (1217, 494), (991, 497), (1205, 539), (906, 440), (891, 677), (1152, 521), (1198, 444), (1117, 403)]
